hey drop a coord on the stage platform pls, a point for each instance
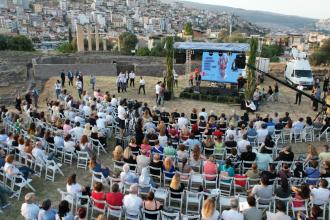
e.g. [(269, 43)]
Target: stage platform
[(229, 95)]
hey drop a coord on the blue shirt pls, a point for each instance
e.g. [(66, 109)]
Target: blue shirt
[(2, 162), (47, 215), (312, 173), (251, 132)]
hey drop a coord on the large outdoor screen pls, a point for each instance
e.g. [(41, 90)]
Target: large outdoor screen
[(220, 67)]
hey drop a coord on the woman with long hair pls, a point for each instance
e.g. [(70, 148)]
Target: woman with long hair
[(311, 154), (139, 135), (128, 156), (283, 191), (209, 211), (193, 116), (98, 194), (176, 186), (168, 167), (196, 157), (75, 188), (146, 146), (151, 205), (301, 194), (64, 211), (84, 145), (117, 153)]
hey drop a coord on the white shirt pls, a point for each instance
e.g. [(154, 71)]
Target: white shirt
[(232, 215), (79, 84), (182, 121), (157, 88), (204, 114), (320, 195), (132, 75), (69, 146), (58, 86), (87, 110), (77, 131), (251, 106), (39, 153), (132, 203), (74, 189), (29, 211), (300, 87), (10, 170), (78, 119), (100, 123), (215, 216), (241, 146), (262, 133), (121, 112), (113, 101), (277, 216), (142, 82)]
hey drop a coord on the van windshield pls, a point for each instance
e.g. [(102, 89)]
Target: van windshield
[(303, 73)]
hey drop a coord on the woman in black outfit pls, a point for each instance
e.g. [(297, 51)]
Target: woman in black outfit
[(139, 135), (269, 143), (18, 103), (193, 116)]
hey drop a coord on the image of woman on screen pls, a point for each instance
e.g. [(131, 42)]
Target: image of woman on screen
[(223, 61)]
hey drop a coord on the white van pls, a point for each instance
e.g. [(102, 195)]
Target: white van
[(298, 70)]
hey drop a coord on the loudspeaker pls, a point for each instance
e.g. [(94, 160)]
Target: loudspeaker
[(240, 61)]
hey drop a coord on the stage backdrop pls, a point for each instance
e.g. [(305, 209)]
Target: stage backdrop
[(220, 67)]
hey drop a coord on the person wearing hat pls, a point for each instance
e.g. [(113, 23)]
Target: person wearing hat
[(29, 209), (132, 202)]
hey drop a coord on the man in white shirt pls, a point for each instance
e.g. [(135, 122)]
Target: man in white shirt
[(142, 85), (58, 141), (157, 90), (182, 121), (38, 153), (203, 113), (175, 77), (77, 131), (241, 145), (262, 133), (321, 195), (122, 117), (233, 213), (100, 123), (131, 79), (87, 109), (114, 101), (79, 86), (132, 202), (29, 209)]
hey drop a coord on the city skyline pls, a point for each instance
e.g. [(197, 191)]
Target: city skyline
[(318, 9)]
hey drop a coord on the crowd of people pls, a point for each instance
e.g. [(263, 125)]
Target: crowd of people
[(242, 158)]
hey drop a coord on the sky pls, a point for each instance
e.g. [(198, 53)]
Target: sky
[(307, 8)]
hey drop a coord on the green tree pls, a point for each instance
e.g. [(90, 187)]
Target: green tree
[(321, 55), (272, 51), (143, 51), (251, 76), (169, 65), (3, 42), (66, 47), (20, 43), (158, 50), (127, 42), (236, 37), (188, 29)]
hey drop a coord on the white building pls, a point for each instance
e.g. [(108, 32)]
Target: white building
[(3, 3)]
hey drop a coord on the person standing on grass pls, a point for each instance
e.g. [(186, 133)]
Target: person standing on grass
[(161, 94), (93, 81), (79, 87), (132, 79), (63, 78), (35, 96), (298, 94), (157, 88), (70, 77), (276, 92), (142, 85), (58, 88), (175, 77)]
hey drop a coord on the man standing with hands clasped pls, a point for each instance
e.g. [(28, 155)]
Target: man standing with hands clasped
[(142, 85), (298, 94), (131, 79)]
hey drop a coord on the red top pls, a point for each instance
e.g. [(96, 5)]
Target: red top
[(217, 133), (211, 169), (98, 196), (114, 198)]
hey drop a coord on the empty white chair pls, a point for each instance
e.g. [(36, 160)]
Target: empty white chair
[(82, 159)]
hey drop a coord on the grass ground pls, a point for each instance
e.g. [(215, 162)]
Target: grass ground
[(46, 189)]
